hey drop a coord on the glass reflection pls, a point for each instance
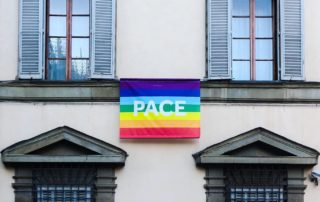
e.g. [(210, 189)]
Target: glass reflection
[(57, 70), (80, 48), (80, 26), (263, 8), (57, 26), (264, 49), (240, 27), (58, 7), (80, 7), (241, 70), (264, 70), (241, 49), (57, 48), (240, 7), (264, 27), (80, 69)]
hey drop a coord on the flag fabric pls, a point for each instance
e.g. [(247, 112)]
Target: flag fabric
[(159, 108)]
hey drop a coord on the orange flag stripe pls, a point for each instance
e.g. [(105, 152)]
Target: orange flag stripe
[(160, 124)]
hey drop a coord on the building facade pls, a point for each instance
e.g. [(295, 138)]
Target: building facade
[(61, 61)]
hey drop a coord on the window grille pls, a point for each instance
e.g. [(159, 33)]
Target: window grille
[(251, 183), (64, 183)]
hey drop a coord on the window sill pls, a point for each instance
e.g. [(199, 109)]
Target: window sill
[(211, 91)]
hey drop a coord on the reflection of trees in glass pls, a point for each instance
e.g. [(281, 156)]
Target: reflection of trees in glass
[(57, 67), (80, 68)]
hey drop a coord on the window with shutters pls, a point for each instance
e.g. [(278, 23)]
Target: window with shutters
[(67, 39), (253, 40), (258, 40)]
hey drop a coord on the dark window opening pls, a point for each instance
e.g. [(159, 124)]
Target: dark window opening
[(64, 183), (256, 183)]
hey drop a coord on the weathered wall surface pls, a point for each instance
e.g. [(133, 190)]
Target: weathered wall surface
[(158, 170)]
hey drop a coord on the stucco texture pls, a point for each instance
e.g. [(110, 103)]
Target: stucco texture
[(158, 170)]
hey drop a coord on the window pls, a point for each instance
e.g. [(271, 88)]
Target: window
[(68, 50), (255, 39), (64, 182), (64, 165), (256, 166), (67, 39), (255, 183)]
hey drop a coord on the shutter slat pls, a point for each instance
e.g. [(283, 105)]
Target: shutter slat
[(103, 39), (30, 39), (292, 67), (219, 29)]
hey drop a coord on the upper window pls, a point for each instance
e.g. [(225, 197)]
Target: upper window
[(67, 39), (68, 50), (255, 39)]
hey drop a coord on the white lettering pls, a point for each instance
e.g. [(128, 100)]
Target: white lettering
[(178, 108), (138, 106), (151, 107), (161, 107)]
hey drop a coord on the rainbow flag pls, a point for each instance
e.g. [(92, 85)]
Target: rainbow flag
[(159, 108)]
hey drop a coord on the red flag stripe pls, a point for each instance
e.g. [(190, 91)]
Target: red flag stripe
[(159, 133)]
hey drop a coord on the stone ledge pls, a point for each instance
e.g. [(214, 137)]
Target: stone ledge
[(211, 91)]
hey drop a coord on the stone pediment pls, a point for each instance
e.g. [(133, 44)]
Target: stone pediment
[(63, 145), (258, 146)]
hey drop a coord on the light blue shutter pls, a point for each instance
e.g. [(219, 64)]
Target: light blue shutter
[(219, 39), (31, 32), (291, 28), (103, 39)]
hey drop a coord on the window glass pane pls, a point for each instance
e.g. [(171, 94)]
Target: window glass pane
[(264, 49), (240, 49), (80, 69), (57, 48), (240, 7), (240, 27), (264, 27), (57, 26), (80, 7), (80, 26), (264, 70), (80, 48), (58, 7), (263, 8), (57, 70), (241, 70)]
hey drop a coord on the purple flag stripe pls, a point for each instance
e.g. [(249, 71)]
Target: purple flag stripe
[(160, 85)]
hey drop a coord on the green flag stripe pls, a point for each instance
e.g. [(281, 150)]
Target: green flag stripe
[(167, 108)]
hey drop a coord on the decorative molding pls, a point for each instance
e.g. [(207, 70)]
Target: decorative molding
[(290, 152), (211, 91), (66, 145)]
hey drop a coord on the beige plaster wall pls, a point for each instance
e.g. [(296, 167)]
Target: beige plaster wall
[(156, 38), (312, 40), (8, 39), (158, 170)]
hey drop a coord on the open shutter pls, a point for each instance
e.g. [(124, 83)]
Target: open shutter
[(292, 61), (219, 39), (103, 39), (31, 39)]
